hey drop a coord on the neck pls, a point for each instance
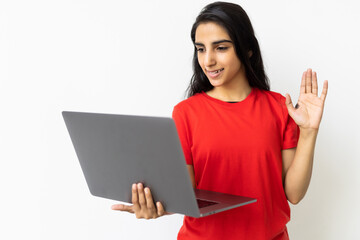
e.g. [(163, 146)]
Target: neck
[(235, 93)]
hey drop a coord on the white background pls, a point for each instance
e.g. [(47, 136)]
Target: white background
[(134, 57)]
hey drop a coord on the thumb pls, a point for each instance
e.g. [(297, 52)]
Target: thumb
[(122, 207), (289, 105)]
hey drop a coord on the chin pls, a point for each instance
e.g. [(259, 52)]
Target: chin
[(216, 83)]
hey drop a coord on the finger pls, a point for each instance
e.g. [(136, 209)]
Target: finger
[(308, 81), (149, 200), (289, 105), (142, 200), (160, 209), (324, 90), (303, 80), (314, 84), (135, 197), (122, 207)]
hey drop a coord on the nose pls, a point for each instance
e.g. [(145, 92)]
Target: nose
[(209, 59)]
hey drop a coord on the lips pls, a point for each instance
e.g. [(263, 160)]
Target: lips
[(216, 73)]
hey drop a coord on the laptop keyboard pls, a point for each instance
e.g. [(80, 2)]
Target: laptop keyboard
[(204, 203)]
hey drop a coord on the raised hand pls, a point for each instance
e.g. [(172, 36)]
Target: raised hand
[(143, 204), (308, 111)]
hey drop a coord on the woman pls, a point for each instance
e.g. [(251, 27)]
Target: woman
[(237, 136)]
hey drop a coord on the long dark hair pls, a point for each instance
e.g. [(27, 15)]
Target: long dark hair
[(237, 24)]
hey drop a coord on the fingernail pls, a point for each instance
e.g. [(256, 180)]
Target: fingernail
[(146, 190), (139, 185), (134, 186)]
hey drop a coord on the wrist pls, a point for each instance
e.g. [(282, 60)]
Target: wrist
[(308, 132)]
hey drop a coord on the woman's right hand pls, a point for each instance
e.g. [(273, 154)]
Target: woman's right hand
[(143, 204)]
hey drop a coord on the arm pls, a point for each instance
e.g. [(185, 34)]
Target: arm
[(298, 162), (191, 174), (297, 167)]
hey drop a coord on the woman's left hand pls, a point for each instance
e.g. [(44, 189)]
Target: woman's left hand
[(308, 111)]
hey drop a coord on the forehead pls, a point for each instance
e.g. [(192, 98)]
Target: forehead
[(209, 32)]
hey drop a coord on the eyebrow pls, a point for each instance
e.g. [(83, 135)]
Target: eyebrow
[(213, 43)]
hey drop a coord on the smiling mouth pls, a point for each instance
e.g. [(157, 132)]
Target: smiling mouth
[(215, 72)]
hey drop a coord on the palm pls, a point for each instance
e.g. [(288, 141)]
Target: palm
[(308, 112)]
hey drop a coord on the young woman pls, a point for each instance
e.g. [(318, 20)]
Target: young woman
[(238, 137)]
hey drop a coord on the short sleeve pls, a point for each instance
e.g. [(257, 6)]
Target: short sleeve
[(183, 129), (291, 130), (291, 134)]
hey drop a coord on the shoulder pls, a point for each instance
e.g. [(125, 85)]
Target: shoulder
[(185, 113), (274, 101), (274, 96), (189, 103)]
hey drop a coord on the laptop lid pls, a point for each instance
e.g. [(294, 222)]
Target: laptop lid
[(116, 151)]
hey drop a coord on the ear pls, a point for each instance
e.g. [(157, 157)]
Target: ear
[(250, 53)]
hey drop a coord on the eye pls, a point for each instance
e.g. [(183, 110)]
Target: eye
[(200, 49), (222, 48)]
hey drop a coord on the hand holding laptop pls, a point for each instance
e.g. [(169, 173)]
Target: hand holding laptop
[(143, 204)]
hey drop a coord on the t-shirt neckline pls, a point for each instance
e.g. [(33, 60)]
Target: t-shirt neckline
[(248, 98)]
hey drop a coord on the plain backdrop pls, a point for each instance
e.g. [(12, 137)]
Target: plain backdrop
[(134, 57)]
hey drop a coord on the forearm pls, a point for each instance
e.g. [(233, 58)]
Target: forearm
[(298, 176)]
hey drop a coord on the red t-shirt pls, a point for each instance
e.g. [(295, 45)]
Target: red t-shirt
[(236, 148)]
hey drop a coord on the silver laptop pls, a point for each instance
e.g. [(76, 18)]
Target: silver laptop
[(116, 151)]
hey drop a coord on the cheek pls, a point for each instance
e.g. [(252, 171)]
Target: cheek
[(233, 63), (225, 60)]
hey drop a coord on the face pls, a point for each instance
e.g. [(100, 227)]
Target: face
[(217, 56)]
